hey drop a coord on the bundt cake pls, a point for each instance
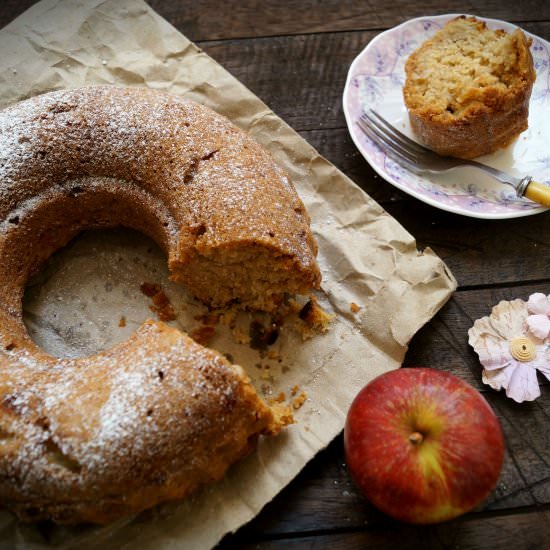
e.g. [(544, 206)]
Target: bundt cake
[(96, 438)]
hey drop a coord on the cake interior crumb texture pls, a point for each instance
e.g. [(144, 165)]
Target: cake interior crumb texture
[(463, 76), (462, 64)]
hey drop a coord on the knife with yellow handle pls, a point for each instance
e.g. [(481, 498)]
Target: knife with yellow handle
[(535, 191)]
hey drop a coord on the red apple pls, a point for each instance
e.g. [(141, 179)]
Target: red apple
[(423, 445)]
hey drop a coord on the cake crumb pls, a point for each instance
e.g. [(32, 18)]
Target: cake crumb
[(315, 319), (280, 398), (203, 334), (266, 375), (209, 318), (283, 414), (122, 322), (161, 303), (160, 299), (314, 315), (354, 307), (294, 306), (294, 390), (262, 336), (167, 313), (229, 318), (149, 289), (240, 336), (299, 401)]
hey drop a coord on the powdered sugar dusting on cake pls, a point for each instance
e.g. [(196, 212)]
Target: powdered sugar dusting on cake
[(154, 396), (108, 132)]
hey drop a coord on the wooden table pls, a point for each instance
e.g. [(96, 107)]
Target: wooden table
[(295, 55)]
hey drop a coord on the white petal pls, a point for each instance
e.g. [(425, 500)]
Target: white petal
[(523, 384), (538, 303), (508, 318), (498, 379), (481, 326), (493, 351), (539, 326)]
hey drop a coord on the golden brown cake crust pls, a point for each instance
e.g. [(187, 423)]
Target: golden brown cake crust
[(96, 438), (467, 89)]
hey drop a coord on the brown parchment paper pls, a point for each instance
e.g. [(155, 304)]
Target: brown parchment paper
[(366, 257)]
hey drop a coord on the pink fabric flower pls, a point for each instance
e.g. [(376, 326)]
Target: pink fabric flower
[(538, 322), (509, 353)]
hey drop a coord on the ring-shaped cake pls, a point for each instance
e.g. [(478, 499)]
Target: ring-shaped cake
[(96, 438)]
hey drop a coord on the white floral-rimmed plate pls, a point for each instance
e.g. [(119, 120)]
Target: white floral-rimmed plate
[(375, 80)]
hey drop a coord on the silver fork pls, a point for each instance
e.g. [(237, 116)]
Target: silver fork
[(419, 160)]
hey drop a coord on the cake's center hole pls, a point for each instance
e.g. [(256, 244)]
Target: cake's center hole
[(88, 296)]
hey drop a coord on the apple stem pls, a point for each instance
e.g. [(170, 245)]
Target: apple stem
[(416, 438)]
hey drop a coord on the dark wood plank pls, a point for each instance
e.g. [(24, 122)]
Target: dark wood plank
[(519, 530), (526, 474), (214, 20), (301, 78), (210, 19)]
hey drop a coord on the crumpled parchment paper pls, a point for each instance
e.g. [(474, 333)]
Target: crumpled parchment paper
[(75, 305)]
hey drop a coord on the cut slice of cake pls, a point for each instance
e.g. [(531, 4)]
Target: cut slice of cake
[(467, 89)]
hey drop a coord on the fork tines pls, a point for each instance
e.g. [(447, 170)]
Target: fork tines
[(396, 144)]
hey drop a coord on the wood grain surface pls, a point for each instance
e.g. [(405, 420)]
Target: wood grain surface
[(295, 56)]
